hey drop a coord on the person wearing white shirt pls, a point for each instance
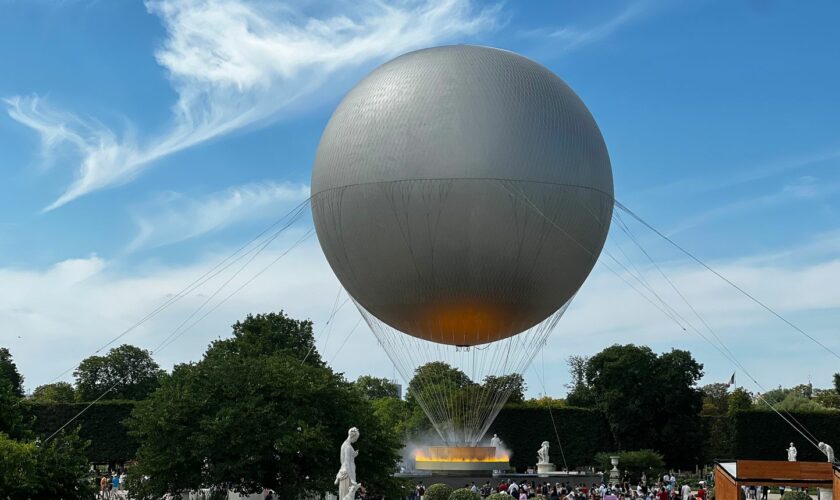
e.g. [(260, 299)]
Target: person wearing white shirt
[(685, 491)]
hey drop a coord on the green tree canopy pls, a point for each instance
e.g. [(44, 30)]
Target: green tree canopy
[(579, 393), (513, 383), (268, 334), (715, 399), (29, 469), (9, 372), (255, 415), (128, 371), (58, 392), (56, 469), (739, 399), (376, 387), (649, 400), (837, 382)]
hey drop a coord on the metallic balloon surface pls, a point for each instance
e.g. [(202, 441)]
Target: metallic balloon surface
[(462, 194)]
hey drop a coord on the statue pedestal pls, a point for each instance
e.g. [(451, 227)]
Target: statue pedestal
[(543, 468)]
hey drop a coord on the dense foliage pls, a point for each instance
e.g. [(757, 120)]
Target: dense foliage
[(9, 372), (764, 435), (57, 469), (259, 410), (58, 392), (795, 495), (635, 463), (664, 412), (376, 387), (126, 372), (464, 494), (102, 425), (29, 468), (583, 433), (437, 491)]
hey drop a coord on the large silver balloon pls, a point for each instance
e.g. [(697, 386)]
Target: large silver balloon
[(462, 194)]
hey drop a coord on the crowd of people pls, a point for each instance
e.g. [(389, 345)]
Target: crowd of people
[(664, 489)]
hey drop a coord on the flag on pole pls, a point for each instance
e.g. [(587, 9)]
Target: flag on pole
[(731, 380)]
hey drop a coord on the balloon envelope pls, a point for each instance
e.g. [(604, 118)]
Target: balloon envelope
[(462, 194)]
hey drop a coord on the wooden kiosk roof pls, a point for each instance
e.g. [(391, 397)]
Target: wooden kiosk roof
[(730, 476)]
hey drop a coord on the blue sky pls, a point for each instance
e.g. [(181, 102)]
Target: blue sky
[(141, 142)]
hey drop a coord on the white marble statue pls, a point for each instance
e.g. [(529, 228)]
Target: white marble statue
[(346, 477), (542, 454), (828, 450), (791, 453), (495, 442)]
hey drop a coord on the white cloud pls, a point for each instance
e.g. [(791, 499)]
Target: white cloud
[(175, 217), (63, 313), (236, 64)]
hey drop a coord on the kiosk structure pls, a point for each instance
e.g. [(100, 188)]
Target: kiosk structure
[(730, 476)]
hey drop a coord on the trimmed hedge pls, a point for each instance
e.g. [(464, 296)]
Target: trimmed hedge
[(717, 438), (101, 425), (763, 435), (464, 494), (583, 433), (438, 491)]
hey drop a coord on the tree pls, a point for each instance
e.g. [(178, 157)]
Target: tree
[(126, 372), (649, 400), (12, 421), (828, 398), (271, 333), (544, 402), (56, 469), (29, 469), (58, 392), (253, 414), (579, 394), (715, 399), (794, 402), (437, 375), (837, 382), (738, 400), (402, 418), (513, 383), (9, 372), (376, 388)]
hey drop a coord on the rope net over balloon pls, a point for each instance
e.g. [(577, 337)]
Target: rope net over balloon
[(461, 274), (461, 411)]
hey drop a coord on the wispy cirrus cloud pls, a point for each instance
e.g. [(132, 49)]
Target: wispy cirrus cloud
[(235, 64), (571, 37), (804, 189), (175, 217)]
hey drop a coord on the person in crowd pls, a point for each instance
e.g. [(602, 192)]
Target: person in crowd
[(685, 491), (103, 486), (513, 488)]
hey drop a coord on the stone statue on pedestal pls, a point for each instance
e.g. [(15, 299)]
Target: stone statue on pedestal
[(791, 453), (495, 442), (542, 454), (828, 450), (346, 477)]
